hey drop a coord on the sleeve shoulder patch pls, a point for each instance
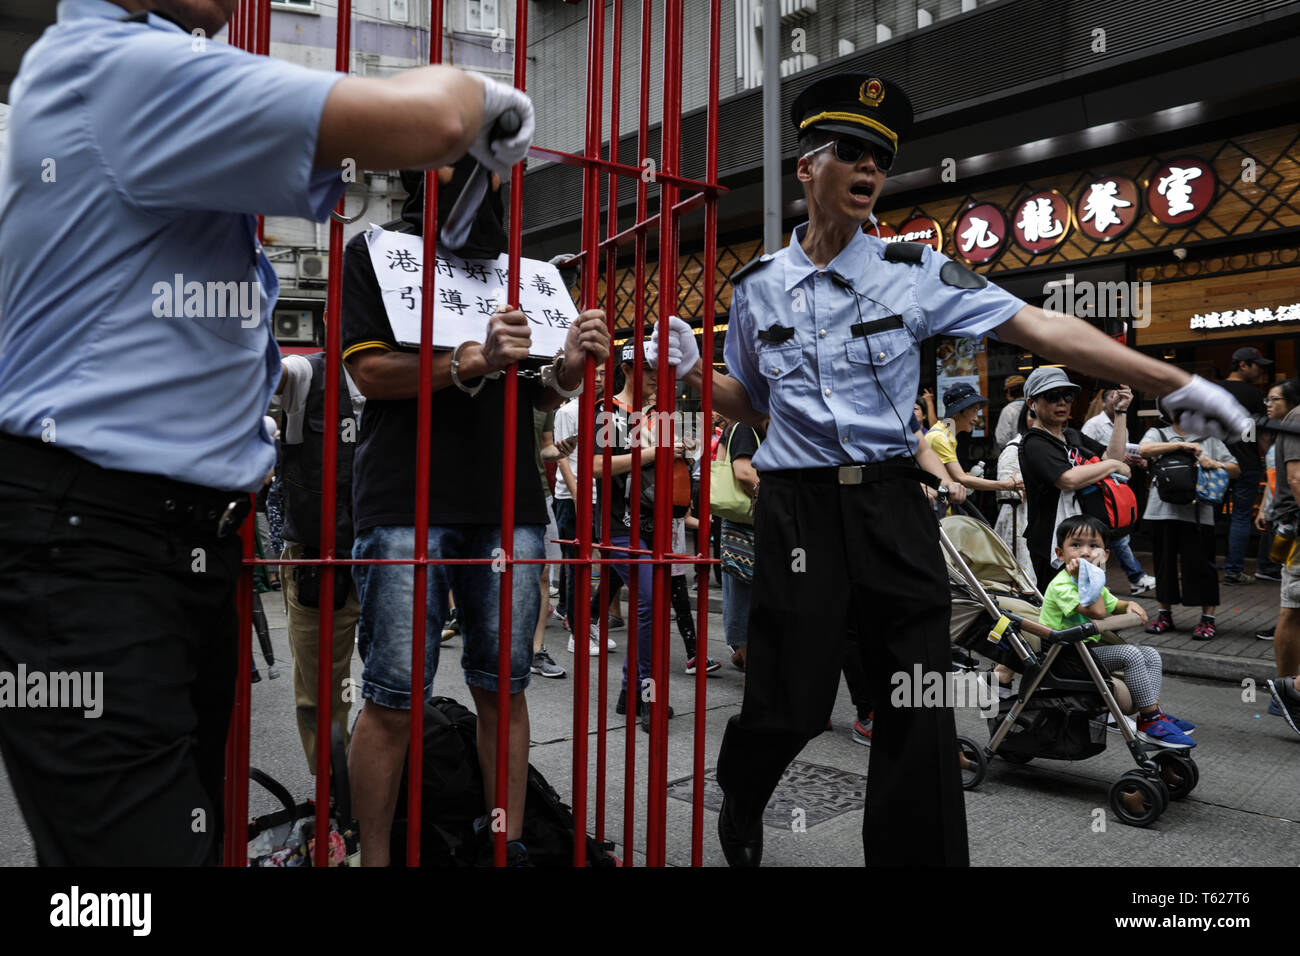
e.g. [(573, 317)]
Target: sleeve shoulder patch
[(909, 252), (957, 275), (752, 266)]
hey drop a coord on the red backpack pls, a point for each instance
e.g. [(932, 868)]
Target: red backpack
[(1110, 500)]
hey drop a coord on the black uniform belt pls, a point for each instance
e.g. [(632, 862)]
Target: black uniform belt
[(41, 466), (893, 469)]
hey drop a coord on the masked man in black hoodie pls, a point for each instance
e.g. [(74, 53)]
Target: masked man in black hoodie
[(464, 495)]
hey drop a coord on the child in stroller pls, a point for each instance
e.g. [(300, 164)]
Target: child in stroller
[(1080, 540)]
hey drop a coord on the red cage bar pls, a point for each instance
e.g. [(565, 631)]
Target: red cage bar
[(250, 29)]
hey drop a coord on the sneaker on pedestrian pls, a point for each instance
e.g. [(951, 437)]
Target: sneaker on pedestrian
[(738, 657), (1164, 734), (1268, 574), (1163, 622), (595, 639), (1265, 634), (1287, 703), (451, 627), (545, 665), (1114, 727), (709, 668), (1204, 631), (1273, 708), (862, 732), (616, 622), (1186, 726), (1142, 585), (593, 646), (1237, 577)]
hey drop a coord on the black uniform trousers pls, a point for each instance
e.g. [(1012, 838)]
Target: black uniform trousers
[(124, 575), (832, 559)]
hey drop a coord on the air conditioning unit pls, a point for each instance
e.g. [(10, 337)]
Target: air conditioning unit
[(295, 327), (798, 63), (313, 268)]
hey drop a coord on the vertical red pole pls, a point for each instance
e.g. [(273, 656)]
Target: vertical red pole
[(424, 419), (611, 309), (329, 489), (590, 300), (706, 430), (666, 386), (638, 340), (505, 633)]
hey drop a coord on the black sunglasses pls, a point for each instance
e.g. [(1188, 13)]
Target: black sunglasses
[(1057, 395), (850, 150)]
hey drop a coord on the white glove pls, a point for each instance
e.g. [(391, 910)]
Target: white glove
[(501, 155), (1202, 408), (683, 353)]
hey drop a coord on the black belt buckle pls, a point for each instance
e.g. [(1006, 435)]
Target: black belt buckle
[(233, 516)]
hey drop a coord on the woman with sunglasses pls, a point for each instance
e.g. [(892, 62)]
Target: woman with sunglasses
[(1052, 457)]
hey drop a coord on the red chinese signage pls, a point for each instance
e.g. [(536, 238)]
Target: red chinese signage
[(1107, 208), (1181, 191), (980, 233), (920, 229), (1041, 222)]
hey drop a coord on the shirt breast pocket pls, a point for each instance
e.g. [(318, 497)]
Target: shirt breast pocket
[(884, 371), (778, 364)]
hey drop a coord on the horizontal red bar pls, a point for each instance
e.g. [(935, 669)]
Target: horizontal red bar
[(628, 235), (349, 562), (622, 169)]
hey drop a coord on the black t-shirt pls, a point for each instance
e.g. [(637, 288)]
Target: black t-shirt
[(1043, 459), (744, 441), (466, 432), (1252, 399), (615, 510)]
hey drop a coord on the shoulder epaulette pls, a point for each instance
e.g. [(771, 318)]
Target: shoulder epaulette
[(904, 252), (750, 266)]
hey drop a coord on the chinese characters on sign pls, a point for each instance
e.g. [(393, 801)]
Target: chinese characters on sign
[(468, 292), (980, 233), (1180, 191), (1107, 208), (1234, 318), (1041, 222)]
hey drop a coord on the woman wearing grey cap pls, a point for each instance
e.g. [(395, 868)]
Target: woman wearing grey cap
[(1052, 458)]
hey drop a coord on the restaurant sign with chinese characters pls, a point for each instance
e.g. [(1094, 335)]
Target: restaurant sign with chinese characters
[(468, 292), (1234, 318), (1107, 207)]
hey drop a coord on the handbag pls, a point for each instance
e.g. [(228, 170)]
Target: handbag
[(1211, 484), (727, 498)]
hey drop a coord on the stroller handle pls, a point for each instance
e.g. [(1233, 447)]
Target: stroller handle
[(1069, 635)]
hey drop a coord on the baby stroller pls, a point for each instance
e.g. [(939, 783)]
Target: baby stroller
[(1065, 695)]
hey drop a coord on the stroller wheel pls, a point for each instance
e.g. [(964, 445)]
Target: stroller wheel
[(1178, 771), (974, 765), (1137, 799)]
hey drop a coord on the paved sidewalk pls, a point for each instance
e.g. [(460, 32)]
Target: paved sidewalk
[(1235, 653)]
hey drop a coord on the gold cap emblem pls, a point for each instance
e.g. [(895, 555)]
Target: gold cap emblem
[(872, 93)]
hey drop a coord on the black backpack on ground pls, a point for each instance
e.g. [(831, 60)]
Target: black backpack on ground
[(452, 799), (1173, 474)]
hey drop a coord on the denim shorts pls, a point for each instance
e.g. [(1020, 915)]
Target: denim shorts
[(387, 594)]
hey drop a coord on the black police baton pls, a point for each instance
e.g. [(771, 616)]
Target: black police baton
[(456, 227)]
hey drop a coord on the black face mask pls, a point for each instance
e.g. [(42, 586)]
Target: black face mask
[(487, 236)]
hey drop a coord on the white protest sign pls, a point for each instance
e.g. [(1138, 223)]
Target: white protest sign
[(467, 293)]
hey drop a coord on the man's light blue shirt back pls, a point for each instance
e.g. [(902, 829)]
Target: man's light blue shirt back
[(835, 397), (135, 300)]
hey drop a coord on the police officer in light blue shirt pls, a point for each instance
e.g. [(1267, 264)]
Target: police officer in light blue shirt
[(825, 337), (136, 363)]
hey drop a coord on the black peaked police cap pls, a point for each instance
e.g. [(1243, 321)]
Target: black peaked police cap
[(856, 104)]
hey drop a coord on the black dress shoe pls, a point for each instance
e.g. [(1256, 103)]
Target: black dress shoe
[(741, 847)]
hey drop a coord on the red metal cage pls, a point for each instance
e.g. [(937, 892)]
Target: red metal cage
[(250, 29)]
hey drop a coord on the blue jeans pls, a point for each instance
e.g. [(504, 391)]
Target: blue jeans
[(735, 609), (1132, 569), (387, 592), (644, 607), (1244, 492)]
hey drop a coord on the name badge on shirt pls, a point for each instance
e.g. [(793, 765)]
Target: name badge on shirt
[(863, 329), (776, 334)]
